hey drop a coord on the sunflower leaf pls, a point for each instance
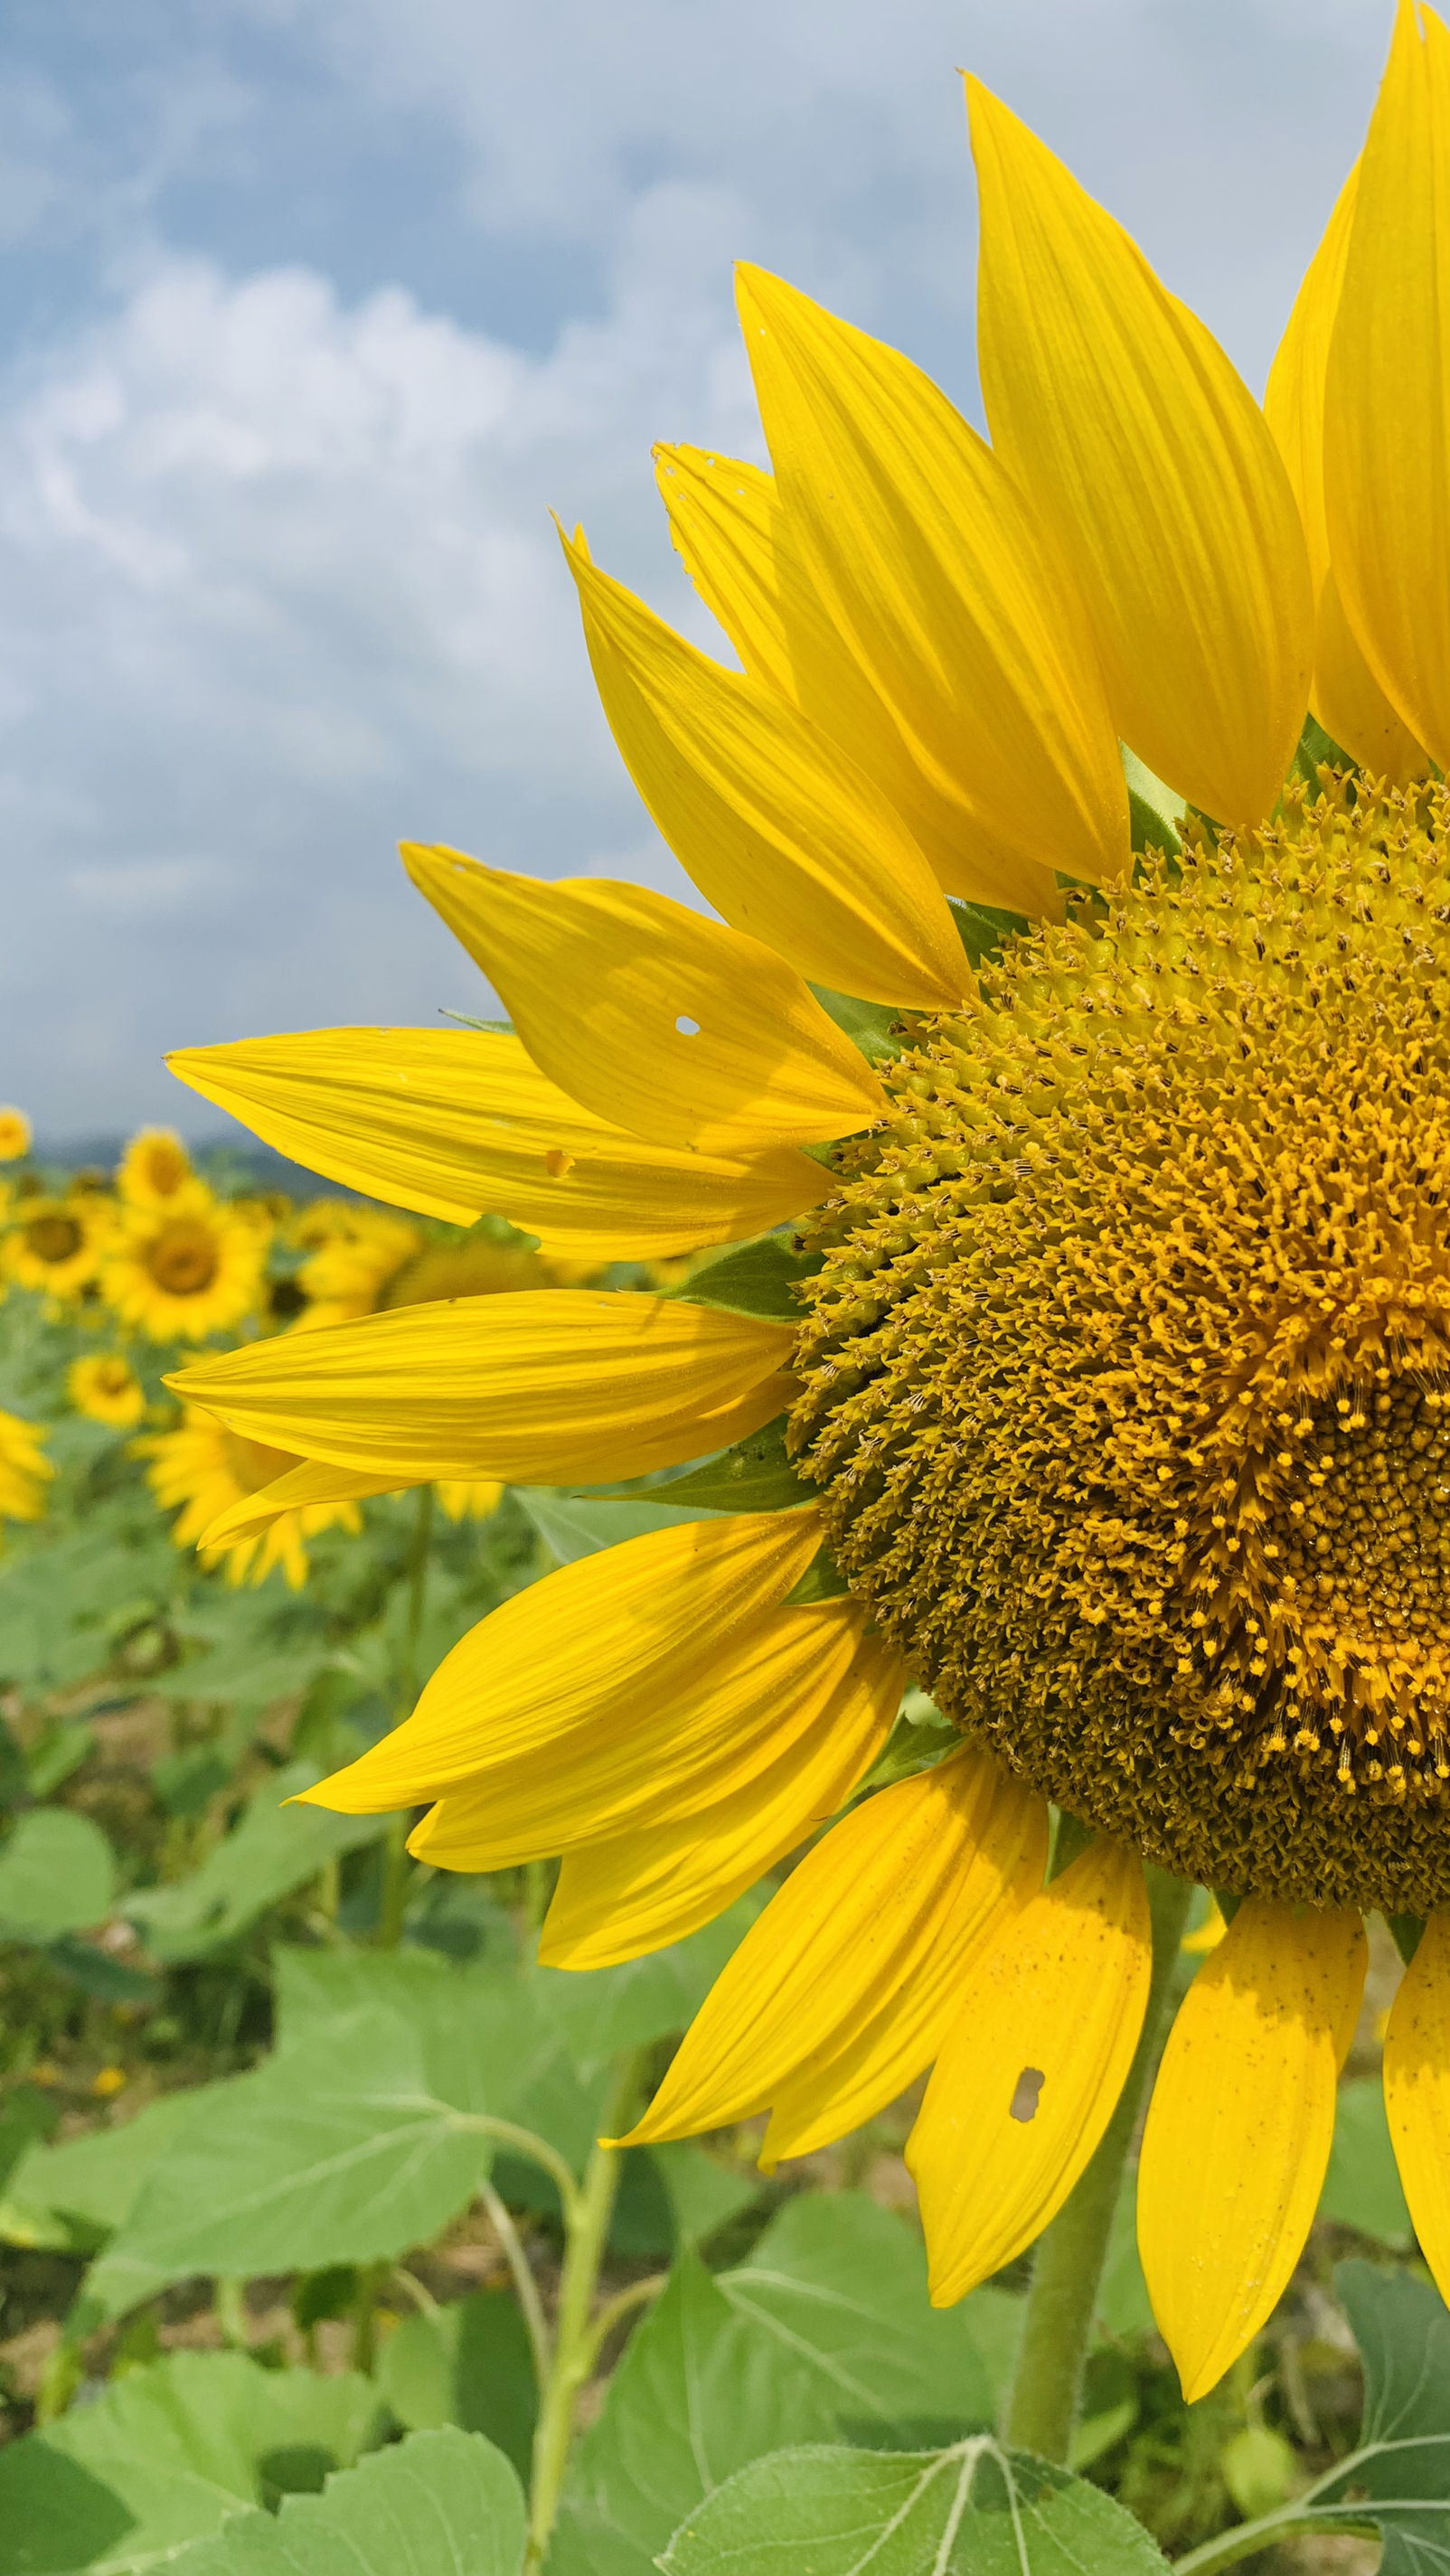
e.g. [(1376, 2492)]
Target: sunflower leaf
[(440, 2502)]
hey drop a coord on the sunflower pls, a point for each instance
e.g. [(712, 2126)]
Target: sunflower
[(1112, 1385), (463, 1501), (56, 1244), (15, 1134), (185, 1271), (209, 1470), (156, 1171), (378, 1261), (105, 1388), (25, 1471)]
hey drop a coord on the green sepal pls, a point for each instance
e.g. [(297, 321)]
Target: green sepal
[(1316, 747), (1154, 810), (821, 1581), (1228, 1904), (1070, 1838), (982, 931), (1406, 1931), (1150, 831), (755, 1476), (877, 1028), (753, 1279), (920, 1739)]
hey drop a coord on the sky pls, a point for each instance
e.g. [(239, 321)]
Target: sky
[(311, 311)]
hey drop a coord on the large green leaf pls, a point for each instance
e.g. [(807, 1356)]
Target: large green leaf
[(1362, 2187), (166, 2454), (972, 2510), (469, 2364), (70, 2194), (442, 2504), (57, 1874), (828, 2330), (274, 1849), (59, 1599), (600, 2011)]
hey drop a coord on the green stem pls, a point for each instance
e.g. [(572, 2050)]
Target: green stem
[(1287, 2522), (575, 2349), (397, 1872), (364, 2350), (1048, 2382)]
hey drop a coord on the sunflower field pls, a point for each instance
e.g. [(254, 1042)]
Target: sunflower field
[(306, 2242)]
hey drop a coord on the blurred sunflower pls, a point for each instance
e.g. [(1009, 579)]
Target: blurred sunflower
[(380, 1261), (208, 1469), (156, 1171), (1118, 1379), (56, 1244), (180, 1273), (15, 1133), (477, 1501), (106, 1389), (25, 1471)]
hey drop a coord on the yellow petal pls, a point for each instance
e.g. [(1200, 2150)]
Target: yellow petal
[(673, 1026), (838, 1996), (779, 829), (641, 1627), (1031, 2069), (641, 1890), (1345, 695), (1417, 2092), (633, 1764), (1128, 428), (1240, 2128), (940, 584), (1387, 391), (534, 1387), (312, 1481), (729, 526), (461, 1123)]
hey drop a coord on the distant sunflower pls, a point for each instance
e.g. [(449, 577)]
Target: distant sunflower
[(56, 1244), (208, 1470), (1117, 1375), (381, 1261), (15, 1134), (156, 1171), (477, 1501), (25, 1471), (181, 1273), (106, 1389)]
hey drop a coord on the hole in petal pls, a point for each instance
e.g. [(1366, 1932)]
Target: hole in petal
[(687, 1027), (1023, 2105)]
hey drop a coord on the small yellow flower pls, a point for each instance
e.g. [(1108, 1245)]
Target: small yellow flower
[(106, 1389), (109, 2081), (211, 1471), (25, 1471), (156, 1170), (56, 1244), (15, 1134), (183, 1272)]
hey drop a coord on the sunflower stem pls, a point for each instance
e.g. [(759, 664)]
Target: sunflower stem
[(575, 2337), (397, 1875), (1047, 2386)]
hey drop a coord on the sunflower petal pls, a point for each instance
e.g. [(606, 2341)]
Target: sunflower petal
[(1240, 2127), (940, 584), (647, 1764), (460, 1123), (312, 1481), (1417, 2092), (1345, 695), (778, 828), (534, 1387), (729, 526), (1031, 2069), (1131, 432), (677, 1028), (838, 1995), (1387, 390), (640, 1629), (639, 1891)]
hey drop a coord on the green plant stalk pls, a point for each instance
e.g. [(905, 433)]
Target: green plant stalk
[(575, 2342), (1047, 2384), (372, 2278)]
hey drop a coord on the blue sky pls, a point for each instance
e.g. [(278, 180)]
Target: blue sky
[(310, 309)]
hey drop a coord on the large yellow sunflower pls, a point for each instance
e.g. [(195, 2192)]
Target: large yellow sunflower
[(208, 1470), (25, 1470), (56, 1244), (1117, 1377), (178, 1273)]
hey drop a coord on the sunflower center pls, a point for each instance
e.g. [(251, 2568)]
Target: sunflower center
[(183, 1260), (54, 1238), (167, 1168), (1127, 1379)]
